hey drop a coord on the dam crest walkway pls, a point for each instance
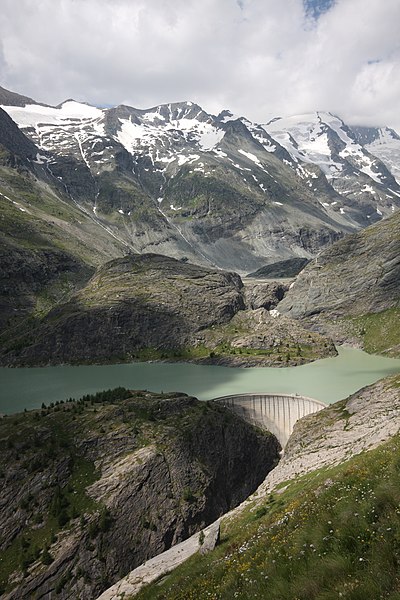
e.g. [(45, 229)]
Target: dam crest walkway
[(276, 413)]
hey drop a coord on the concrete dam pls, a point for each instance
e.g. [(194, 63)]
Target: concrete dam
[(277, 413)]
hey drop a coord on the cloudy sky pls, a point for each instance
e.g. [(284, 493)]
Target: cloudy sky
[(259, 58)]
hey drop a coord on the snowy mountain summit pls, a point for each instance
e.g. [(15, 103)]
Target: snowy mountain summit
[(216, 189)]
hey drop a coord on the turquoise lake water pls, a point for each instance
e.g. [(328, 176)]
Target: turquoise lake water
[(329, 379)]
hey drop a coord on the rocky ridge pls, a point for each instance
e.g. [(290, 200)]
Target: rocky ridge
[(358, 274), (357, 424)]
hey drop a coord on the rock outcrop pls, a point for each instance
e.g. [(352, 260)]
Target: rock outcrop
[(283, 268), (357, 424), (264, 295)]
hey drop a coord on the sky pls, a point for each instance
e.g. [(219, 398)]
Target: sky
[(257, 58)]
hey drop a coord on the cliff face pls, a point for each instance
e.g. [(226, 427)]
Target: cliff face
[(93, 489)]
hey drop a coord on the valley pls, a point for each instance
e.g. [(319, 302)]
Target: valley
[(161, 252)]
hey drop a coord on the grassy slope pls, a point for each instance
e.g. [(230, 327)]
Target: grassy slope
[(50, 221), (380, 332), (332, 534), (50, 249)]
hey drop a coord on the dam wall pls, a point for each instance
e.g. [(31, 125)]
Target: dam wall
[(276, 413)]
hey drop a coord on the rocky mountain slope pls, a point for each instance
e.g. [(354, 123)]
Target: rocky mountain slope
[(48, 247), (358, 274), (365, 180), (93, 488), (154, 307), (219, 190), (86, 185), (352, 289), (382, 142)]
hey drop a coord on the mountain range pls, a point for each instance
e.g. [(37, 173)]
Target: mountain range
[(116, 227), (81, 186), (219, 190)]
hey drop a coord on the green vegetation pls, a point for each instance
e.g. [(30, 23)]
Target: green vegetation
[(117, 191), (283, 353), (332, 534), (380, 332)]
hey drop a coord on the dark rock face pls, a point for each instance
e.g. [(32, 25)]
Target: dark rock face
[(25, 272), (282, 268), (357, 275), (13, 99), (166, 467), (12, 138)]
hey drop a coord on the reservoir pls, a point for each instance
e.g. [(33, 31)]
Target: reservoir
[(328, 380)]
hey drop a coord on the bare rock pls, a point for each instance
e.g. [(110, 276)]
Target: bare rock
[(211, 540)]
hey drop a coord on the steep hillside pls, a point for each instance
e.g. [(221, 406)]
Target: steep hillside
[(325, 523), (353, 288), (93, 488), (154, 307)]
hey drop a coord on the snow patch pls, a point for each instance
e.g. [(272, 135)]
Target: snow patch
[(151, 116), (187, 159), (219, 152), (40, 159), (250, 156), (33, 114), (369, 189)]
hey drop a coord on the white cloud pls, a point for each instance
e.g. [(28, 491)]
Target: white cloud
[(256, 57)]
